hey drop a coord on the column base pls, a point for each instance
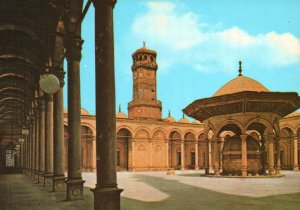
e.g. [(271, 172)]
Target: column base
[(206, 170), (59, 183), (196, 168), (36, 176), (74, 189), (271, 171), (48, 180), (244, 172), (107, 198), (278, 172), (217, 172), (41, 177), (296, 168)]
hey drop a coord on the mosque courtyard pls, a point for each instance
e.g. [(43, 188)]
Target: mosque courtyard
[(186, 190)]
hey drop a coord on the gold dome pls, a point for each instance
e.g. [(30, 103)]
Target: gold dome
[(170, 119), (184, 120), (196, 122), (241, 84), (121, 115), (83, 111), (293, 114)]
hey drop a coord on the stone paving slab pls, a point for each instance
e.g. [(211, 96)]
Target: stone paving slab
[(156, 190)]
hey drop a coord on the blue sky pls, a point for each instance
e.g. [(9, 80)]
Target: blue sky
[(199, 44)]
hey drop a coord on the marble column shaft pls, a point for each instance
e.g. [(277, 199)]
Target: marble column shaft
[(106, 193), (182, 155), (73, 44), (244, 155), (206, 163), (196, 155), (42, 124), (216, 157), (32, 148), (271, 154), (58, 138), (48, 139), (278, 163), (36, 154), (296, 164)]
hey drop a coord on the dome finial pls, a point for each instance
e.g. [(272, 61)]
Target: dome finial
[(120, 110), (169, 114), (240, 68), (144, 44)]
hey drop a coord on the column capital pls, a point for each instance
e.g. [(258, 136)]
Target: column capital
[(270, 137), (295, 137), (244, 137), (60, 73), (111, 3), (48, 97), (73, 46)]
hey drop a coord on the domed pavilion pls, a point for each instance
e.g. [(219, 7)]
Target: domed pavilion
[(241, 126)]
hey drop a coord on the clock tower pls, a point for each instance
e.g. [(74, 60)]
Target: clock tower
[(144, 103)]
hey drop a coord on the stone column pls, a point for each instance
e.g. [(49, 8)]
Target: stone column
[(263, 149), (36, 156), (271, 154), (296, 164), (167, 154), (182, 155), (21, 155), (210, 155), (32, 168), (216, 157), (196, 155), (133, 154), (106, 193), (206, 163), (221, 154), (151, 154), (74, 43), (42, 140), (26, 154), (278, 163), (58, 138), (48, 140), (244, 154)]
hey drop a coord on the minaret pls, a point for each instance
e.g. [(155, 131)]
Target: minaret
[(144, 103)]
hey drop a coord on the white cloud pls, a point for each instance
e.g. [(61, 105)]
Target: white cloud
[(181, 37)]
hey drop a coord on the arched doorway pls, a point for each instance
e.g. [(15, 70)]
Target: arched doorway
[(231, 150), (286, 138), (175, 150), (190, 154), (86, 148), (122, 149)]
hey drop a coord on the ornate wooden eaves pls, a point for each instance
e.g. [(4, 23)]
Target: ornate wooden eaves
[(279, 103)]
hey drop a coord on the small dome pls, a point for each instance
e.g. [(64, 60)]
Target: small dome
[(196, 122), (241, 84), (121, 115), (294, 114), (144, 49), (83, 111), (184, 120), (170, 119)]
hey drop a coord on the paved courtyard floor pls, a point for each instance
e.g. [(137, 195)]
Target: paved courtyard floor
[(156, 190)]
